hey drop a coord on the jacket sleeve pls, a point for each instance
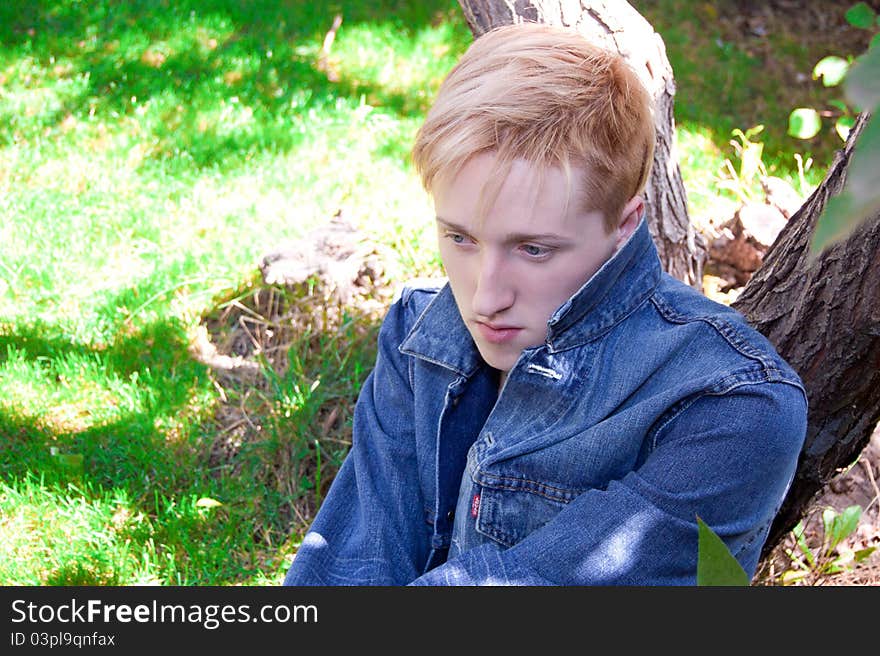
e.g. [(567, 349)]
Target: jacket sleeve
[(729, 459), (370, 529)]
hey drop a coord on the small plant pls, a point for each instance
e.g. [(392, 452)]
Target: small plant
[(806, 122), (803, 166), (813, 563), (746, 182)]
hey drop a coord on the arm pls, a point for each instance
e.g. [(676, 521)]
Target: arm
[(728, 459), (370, 529)]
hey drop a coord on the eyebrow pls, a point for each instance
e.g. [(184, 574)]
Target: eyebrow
[(512, 237)]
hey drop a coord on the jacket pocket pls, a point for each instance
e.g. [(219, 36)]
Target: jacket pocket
[(522, 492), (509, 515)]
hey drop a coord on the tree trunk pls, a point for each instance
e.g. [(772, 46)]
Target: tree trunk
[(615, 25), (823, 316)]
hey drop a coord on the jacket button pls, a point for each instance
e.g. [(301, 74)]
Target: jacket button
[(450, 515)]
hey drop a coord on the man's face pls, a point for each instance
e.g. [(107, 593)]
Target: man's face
[(512, 271)]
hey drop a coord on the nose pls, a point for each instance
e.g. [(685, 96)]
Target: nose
[(494, 292)]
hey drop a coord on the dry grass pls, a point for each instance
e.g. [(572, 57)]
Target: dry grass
[(288, 353)]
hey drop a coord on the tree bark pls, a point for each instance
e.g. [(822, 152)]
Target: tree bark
[(615, 25), (823, 316)]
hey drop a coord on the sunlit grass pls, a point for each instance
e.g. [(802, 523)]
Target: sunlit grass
[(703, 171), (150, 156), (77, 534)]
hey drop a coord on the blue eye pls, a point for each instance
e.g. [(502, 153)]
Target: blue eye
[(457, 238), (535, 251)]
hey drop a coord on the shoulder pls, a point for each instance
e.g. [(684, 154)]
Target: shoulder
[(733, 340), (417, 293), (413, 297), (409, 302)]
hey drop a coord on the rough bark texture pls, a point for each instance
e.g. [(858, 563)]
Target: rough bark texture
[(823, 316), (614, 24)]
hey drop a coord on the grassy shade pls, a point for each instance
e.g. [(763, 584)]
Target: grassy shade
[(150, 153)]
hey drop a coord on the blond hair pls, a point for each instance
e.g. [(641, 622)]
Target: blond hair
[(544, 94)]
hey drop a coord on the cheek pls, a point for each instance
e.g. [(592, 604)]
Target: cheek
[(550, 289), (542, 300), (453, 260), (456, 268), (447, 257)]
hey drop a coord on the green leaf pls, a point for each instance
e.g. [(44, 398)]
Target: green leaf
[(839, 526), (753, 131), (860, 197), (863, 554), (828, 517), (862, 85), (790, 576), (804, 123), (831, 520), (715, 564), (798, 532), (841, 216), (831, 69), (849, 521), (843, 125), (860, 15), (875, 40)]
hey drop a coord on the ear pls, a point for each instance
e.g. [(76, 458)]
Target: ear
[(630, 218)]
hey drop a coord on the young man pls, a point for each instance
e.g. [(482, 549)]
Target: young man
[(561, 411)]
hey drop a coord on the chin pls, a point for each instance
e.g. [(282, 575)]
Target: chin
[(503, 362)]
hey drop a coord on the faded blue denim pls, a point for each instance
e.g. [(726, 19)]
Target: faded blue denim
[(647, 406)]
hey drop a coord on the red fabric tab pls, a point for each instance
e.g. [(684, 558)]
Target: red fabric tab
[(475, 505)]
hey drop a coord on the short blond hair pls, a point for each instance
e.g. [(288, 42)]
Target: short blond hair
[(547, 95)]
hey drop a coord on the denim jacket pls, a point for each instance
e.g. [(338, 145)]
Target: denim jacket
[(647, 406)]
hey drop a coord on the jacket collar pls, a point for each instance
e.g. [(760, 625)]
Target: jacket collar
[(440, 336), (622, 284)]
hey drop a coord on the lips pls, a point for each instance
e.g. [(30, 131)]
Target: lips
[(497, 334)]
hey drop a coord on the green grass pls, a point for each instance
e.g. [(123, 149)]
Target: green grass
[(150, 153), (735, 69)]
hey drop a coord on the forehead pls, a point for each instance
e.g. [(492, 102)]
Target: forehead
[(528, 197)]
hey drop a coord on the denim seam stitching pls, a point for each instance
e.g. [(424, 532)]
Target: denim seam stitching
[(755, 534), (445, 365), (724, 328), (736, 380), (671, 415), (503, 537), (554, 346), (522, 485), (740, 378), (723, 387)]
